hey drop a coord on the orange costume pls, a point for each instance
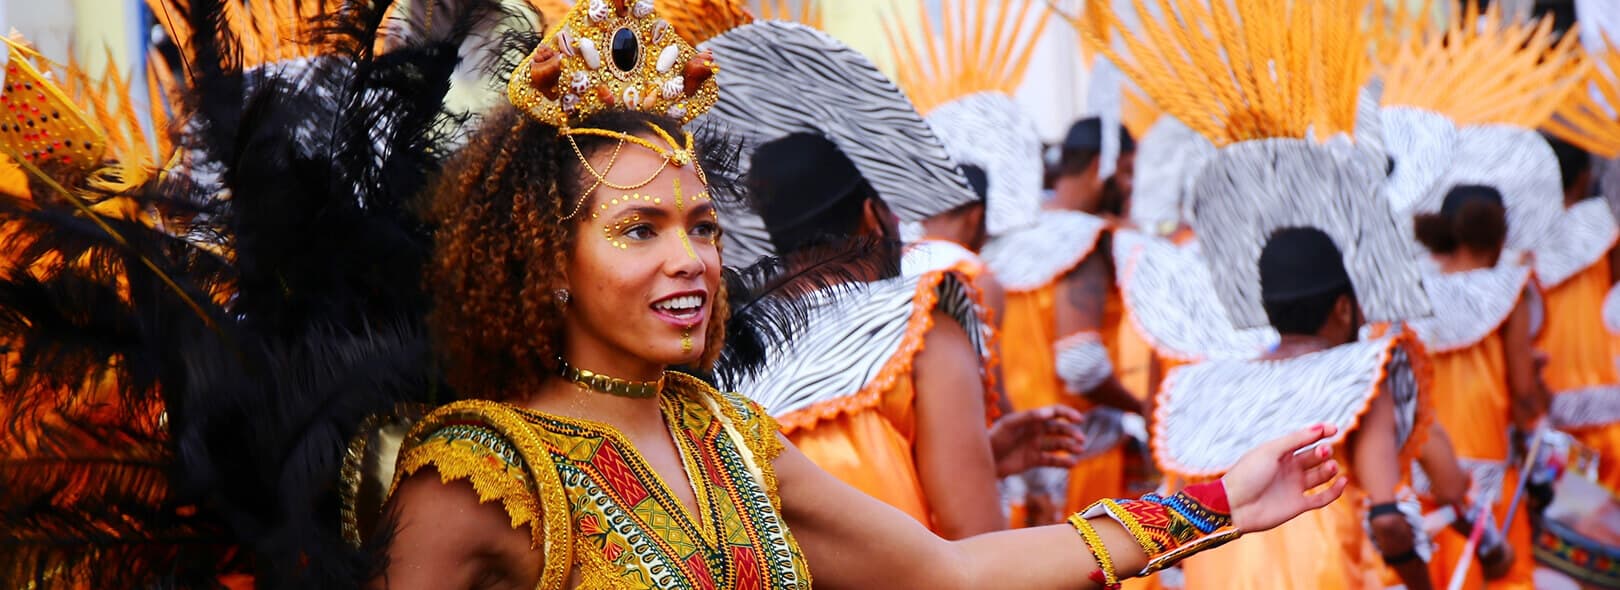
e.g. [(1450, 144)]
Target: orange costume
[(1472, 401), (967, 102), (1040, 366), (1272, 170), (848, 402), (843, 389), (1574, 272), (1489, 138), (1195, 437)]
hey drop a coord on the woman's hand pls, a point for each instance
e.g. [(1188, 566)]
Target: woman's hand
[(1043, 437), (1273, 483)]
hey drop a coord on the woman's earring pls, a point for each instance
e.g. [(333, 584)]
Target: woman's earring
[(563, 297)]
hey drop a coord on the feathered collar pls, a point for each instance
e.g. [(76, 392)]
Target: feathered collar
[(854, 348), (1586, 231), (1468, 306), (1211, 413), (1168, 291), (1033, 256)]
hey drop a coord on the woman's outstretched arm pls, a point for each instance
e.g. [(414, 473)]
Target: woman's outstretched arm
[(854, 541)]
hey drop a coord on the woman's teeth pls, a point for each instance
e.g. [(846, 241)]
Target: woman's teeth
[(680, 305)]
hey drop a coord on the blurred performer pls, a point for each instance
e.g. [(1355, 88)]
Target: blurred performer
[(899, 413), (1477, 185), (1576, 268), (968, 103), (1058, 276), (1290, 224)]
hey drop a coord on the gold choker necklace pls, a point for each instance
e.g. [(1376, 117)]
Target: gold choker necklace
[(609, 385)]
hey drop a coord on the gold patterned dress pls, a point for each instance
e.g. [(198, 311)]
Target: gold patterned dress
[(602, 515)]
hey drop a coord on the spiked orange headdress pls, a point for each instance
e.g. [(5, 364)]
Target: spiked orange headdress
[(1216, 78), (269, 31), (1590, 119), (1486, 71), (974, 48)]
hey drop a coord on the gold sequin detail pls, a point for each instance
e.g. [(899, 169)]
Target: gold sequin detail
[(543, 499), (613, 232)]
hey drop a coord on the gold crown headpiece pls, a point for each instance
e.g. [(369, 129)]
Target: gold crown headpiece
[(972, 50), (1590, 117), (613, 54), (1246, 69), (1486, 71)]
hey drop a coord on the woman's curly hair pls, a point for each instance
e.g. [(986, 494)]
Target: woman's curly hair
[(500, 246)]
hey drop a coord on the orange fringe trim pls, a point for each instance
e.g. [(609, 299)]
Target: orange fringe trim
[(898, 365), (969, 271)]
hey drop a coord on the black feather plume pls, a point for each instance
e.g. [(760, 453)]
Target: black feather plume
[(276, 308)]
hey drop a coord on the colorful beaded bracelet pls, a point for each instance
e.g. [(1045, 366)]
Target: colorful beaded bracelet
[(1170, 528)]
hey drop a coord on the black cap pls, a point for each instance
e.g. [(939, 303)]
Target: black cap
[(1086, 134), (1464, 194), (796, 177), (1299, 262)]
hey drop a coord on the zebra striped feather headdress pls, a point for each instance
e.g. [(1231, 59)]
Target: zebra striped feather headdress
[(783, 78)]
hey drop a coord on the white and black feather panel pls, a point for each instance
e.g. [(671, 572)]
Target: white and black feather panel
[(781, 78)]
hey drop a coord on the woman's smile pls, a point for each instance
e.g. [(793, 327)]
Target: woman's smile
[(684, 310)]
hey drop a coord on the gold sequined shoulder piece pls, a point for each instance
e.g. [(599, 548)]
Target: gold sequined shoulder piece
[(494, 448)]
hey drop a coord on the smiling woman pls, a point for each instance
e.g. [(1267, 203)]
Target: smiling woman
[(577, 259), (622, 238)]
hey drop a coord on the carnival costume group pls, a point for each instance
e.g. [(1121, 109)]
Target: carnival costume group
[(222, 294)]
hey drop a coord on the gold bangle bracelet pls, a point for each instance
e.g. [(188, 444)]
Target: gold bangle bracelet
[(1099, 550)]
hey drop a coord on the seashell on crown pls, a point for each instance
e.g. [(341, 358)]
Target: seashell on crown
[(613, 54)]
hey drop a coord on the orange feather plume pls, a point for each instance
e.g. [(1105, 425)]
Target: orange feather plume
[(1591, 119), (1487, 70), (1241, 70), (973, 48)]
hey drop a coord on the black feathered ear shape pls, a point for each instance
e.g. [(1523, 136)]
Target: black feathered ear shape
[(771, 301)]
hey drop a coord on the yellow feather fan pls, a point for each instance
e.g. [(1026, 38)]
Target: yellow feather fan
[(974, 48), (1238, 70), (1590, 116), (1487, 70), (109, 101)]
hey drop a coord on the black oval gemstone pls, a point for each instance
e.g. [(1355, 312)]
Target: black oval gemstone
[(626, 50)]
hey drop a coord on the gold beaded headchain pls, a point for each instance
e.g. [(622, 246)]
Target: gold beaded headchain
[(680, 153)]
